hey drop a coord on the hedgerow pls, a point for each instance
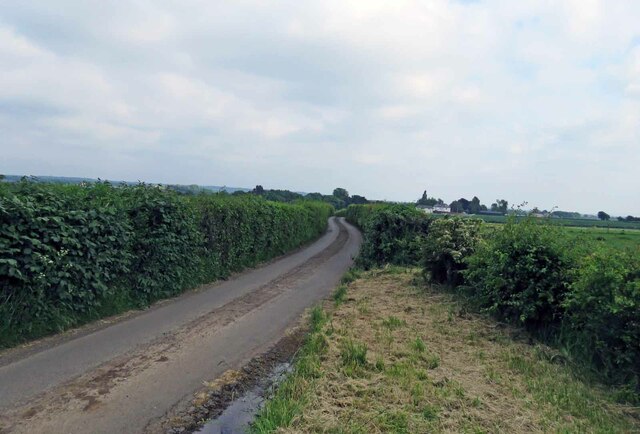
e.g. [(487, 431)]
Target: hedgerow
[(447, 246), (393, 234), (578, 296), (581, 297), (70, 254)]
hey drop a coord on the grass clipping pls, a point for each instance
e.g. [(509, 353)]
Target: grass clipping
[(396, 358)]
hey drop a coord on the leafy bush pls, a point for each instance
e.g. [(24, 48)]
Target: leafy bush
[(393, 234), (69, 254), (603, 310), (449, 242), (523, 273)]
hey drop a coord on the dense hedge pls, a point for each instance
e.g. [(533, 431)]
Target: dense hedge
[(448, 244), (581, 296), (393, 234), (70, 254), (574, 293)]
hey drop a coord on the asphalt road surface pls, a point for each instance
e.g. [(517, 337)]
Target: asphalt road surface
[(120, 375)]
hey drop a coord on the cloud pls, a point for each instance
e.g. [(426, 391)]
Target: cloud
[(524, 100)]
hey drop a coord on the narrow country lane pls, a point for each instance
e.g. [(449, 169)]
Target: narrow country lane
[(122, 375)]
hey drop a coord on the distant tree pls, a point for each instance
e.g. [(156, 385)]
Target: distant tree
[(465, 204), (259, 190), (603, 215), (239, 193), (500, 205), (281, 195), (332, 200), (341, 194), (474, 205), (423, 200), (456, 206), (314, 196), (358, 200)]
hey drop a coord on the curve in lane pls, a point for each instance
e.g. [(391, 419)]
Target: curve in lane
[(203, 335)]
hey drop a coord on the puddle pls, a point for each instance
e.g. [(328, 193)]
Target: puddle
[(235, 419)]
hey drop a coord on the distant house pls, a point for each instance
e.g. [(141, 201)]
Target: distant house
[(442, 209), (436, 209), (425, 209)]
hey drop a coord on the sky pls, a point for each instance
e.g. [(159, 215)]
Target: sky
[(535, 101)]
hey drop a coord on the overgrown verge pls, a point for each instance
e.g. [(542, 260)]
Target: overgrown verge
[(393, 357), (577, 294), (297, 390), (71, 254)]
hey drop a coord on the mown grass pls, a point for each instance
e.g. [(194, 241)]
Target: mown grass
[(419, 362)]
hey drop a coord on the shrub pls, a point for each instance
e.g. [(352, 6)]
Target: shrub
[(392, 234), (449, 242), (603, 311), (522, 274)]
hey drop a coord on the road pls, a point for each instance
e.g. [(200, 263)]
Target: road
[(119, 376)]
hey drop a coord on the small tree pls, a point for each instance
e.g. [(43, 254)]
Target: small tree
[(341, 193), (603, 216), (259, 190)]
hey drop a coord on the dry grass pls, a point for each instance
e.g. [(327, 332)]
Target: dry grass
[(429, 366)]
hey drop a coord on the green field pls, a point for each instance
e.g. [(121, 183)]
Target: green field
[(583, 223), (618, 238)]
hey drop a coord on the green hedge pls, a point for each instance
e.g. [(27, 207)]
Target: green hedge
[(393, 234), (71, 254), (577, 294), (581, 296)]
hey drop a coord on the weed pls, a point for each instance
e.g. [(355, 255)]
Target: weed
[(340, 294), (430, 412), (393, 322), (432, 361), (353, 354), (418, 345)]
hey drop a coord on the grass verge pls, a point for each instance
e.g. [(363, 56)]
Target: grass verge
[(393, 357)]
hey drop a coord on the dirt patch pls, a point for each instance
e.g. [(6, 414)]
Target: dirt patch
[(218, 394)]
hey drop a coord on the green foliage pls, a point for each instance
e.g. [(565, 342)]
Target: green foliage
[(603, 310), (70, 254), (340, 294), (353, 354), (449, 242), (393, 234), (588, 302), (522, 273)]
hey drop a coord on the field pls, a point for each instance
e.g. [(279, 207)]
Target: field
[(617, 238), (584, 223), (394, 357)]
